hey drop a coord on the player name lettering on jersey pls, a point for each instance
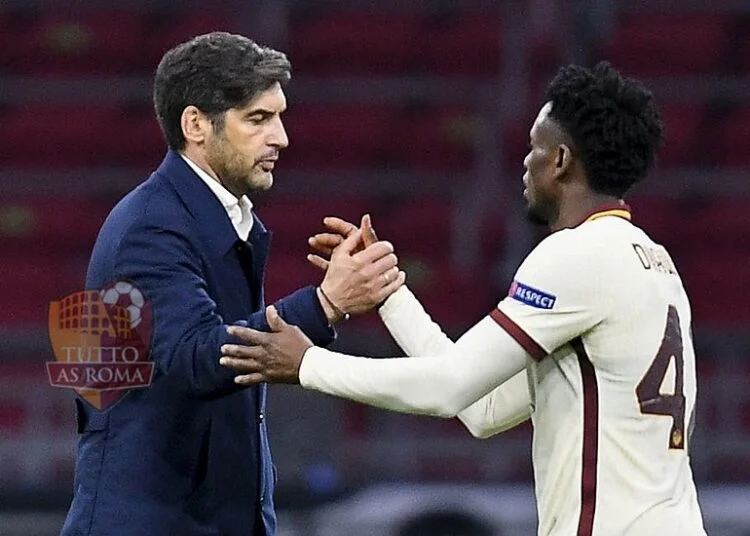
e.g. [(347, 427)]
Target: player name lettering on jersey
[(655, 258), (531, 296)]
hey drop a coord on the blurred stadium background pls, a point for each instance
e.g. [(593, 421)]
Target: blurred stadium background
[(416, 111)]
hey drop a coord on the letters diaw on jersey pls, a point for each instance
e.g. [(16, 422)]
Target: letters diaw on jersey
[(531, 296)]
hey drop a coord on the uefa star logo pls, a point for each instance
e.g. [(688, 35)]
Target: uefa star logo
[(101, 343)]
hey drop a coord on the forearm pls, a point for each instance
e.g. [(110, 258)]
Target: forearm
[(507, 406), (441, 385), (411, 326), (415, 332)]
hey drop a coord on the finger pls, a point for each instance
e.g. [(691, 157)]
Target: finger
[(246, 334), (350, 244), (243, 366), (391, 287), (339, 226), (275, 322), (240, 352), (328, 239), (368, 232), (250, 379), (390, 275), (318, 262), (374, 252), (325, 242), (383, 264)]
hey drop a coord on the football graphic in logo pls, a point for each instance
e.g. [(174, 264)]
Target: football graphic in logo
[(127, 296)]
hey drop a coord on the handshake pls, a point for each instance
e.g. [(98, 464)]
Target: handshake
[(361, 273)]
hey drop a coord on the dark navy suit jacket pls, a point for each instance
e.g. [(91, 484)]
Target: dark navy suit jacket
[(188, 455)]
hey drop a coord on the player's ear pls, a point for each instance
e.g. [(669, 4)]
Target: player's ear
[(194, 124), (564, 159)]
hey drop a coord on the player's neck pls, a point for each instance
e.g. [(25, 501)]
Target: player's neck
[(574, 209)]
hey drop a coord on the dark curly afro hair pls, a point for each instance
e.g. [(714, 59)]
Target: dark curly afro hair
[(613, 122)]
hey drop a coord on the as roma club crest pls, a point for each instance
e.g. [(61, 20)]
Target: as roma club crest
[(101, 342)]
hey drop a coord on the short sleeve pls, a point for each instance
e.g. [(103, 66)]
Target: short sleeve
[(556, 295)]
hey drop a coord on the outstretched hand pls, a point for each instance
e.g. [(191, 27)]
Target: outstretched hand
[(275, 356)]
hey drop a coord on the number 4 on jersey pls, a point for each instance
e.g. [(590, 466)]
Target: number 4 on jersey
[(651, 401)]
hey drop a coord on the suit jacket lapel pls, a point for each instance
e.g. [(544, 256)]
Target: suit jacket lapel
[(201, 202)]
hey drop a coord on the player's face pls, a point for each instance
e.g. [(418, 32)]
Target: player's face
[(244, 152), (539, 182)]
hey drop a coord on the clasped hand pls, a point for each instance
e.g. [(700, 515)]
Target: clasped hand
[(361, 273)]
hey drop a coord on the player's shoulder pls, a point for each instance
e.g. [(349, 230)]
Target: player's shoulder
[(592, 245)]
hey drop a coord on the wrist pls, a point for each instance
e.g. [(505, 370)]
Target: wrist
[(332, 311)]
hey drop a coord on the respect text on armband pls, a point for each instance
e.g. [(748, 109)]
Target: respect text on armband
[(531, 296)]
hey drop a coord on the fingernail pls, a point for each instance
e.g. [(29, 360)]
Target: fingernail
[(223, 361)]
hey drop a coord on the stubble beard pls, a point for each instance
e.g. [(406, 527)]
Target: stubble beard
[(236, 172), (533, 215)]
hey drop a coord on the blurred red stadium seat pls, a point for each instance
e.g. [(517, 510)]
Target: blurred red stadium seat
[(14, 24), (734, 139), (292, 219), (76, 136), (139, 143), (63, 135), (694, 226), (287, 272), (339, 137), (464, 44), (664, 219), (59, 223), (682, 122), (31, 280), (356, 42), (455, 299), (439, 139), (659, 44), (92, 41), (173, 27), (717, 284), (419, 227)]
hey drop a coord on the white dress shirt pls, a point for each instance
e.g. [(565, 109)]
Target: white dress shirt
[(239, 210)]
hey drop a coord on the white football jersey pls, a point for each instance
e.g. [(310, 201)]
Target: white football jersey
[(604, 313)]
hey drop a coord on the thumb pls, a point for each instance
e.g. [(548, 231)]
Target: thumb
[(368, 231), (275, 322), (350, 243)]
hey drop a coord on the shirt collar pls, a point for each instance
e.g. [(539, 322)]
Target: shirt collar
[(239, 210), (619, 210)]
